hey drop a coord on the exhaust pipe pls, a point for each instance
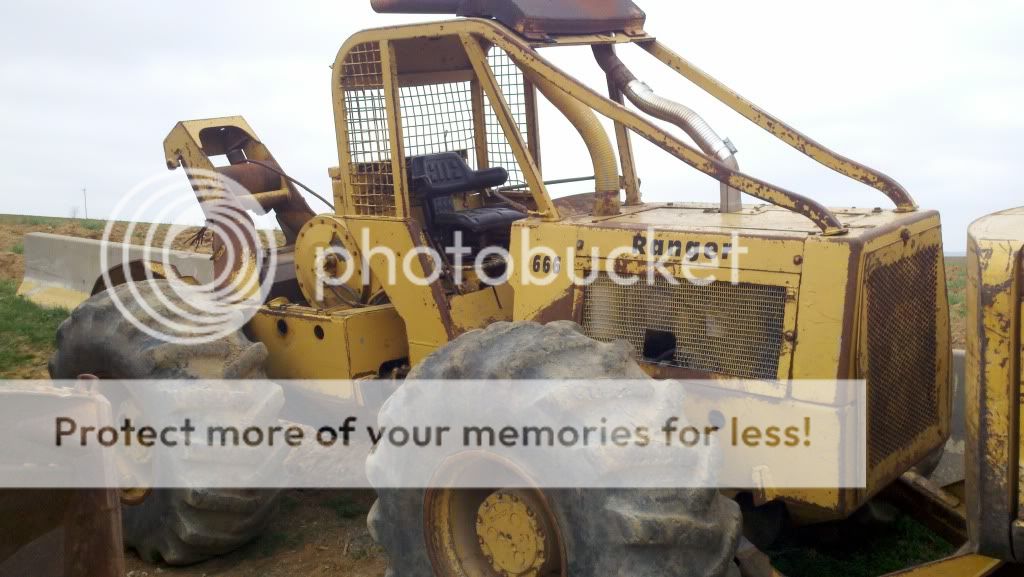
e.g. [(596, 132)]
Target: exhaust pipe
[(662, 108)]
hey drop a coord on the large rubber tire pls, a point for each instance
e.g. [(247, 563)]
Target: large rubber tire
[(176, 526), (649, 533)]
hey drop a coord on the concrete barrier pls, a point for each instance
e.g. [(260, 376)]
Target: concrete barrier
[(61, 271), (951, 467)]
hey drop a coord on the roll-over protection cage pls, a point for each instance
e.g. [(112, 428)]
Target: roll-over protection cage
[(469, 86)]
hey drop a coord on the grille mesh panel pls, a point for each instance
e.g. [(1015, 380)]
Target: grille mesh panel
[(510, 79), (901, 345), (730, 329), (435, 118), (438, 118), (372, 186)]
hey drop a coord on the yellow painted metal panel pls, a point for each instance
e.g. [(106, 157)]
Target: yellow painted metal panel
[(476, 310), (424, 307), (745, 252), (993, 380), (532, 301), (398, 174), (827, 270), (309, 344)]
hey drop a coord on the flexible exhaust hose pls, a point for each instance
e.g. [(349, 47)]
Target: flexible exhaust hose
[(670, 111), (700, 131), (606, 166)]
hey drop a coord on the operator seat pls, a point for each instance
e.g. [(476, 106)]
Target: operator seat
[(436, 177)]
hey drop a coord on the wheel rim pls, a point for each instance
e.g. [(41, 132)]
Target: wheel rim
[(514, 538), (492, 533)]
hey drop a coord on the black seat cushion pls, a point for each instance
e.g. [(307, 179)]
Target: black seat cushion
[(478, 220), (438, 176)]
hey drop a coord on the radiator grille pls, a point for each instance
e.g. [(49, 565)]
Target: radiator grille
[(903, 399), (730, 329)]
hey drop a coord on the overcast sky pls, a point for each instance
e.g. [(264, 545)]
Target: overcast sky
[(922, 90)]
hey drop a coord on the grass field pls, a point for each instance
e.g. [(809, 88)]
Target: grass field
[(857, 549), (956, 287), (27, 332)]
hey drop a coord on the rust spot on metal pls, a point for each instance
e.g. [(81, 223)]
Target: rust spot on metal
[(606, 203), (575, 205), (846, 358), (436, 289), (560, 308)]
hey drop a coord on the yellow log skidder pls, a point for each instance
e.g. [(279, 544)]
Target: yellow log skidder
[(438, 139)]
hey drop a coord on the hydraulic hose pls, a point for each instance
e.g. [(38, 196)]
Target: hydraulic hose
[(682, 116), (602, 153)]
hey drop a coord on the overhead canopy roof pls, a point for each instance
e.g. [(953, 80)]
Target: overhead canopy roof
[(534, 18)]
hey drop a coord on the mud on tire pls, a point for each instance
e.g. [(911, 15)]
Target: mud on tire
[(177, 526), (653, 533)]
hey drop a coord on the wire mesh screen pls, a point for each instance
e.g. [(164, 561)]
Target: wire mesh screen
[(435, 118), (510, 79), (902, 351), (371, 182), (724, 328), (438, 118)]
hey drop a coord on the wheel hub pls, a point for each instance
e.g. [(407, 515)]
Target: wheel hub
[(514, 539)]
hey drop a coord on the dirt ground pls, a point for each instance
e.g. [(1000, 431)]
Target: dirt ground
[(314, 534)]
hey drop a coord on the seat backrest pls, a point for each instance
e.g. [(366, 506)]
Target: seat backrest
[(446, 173)]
